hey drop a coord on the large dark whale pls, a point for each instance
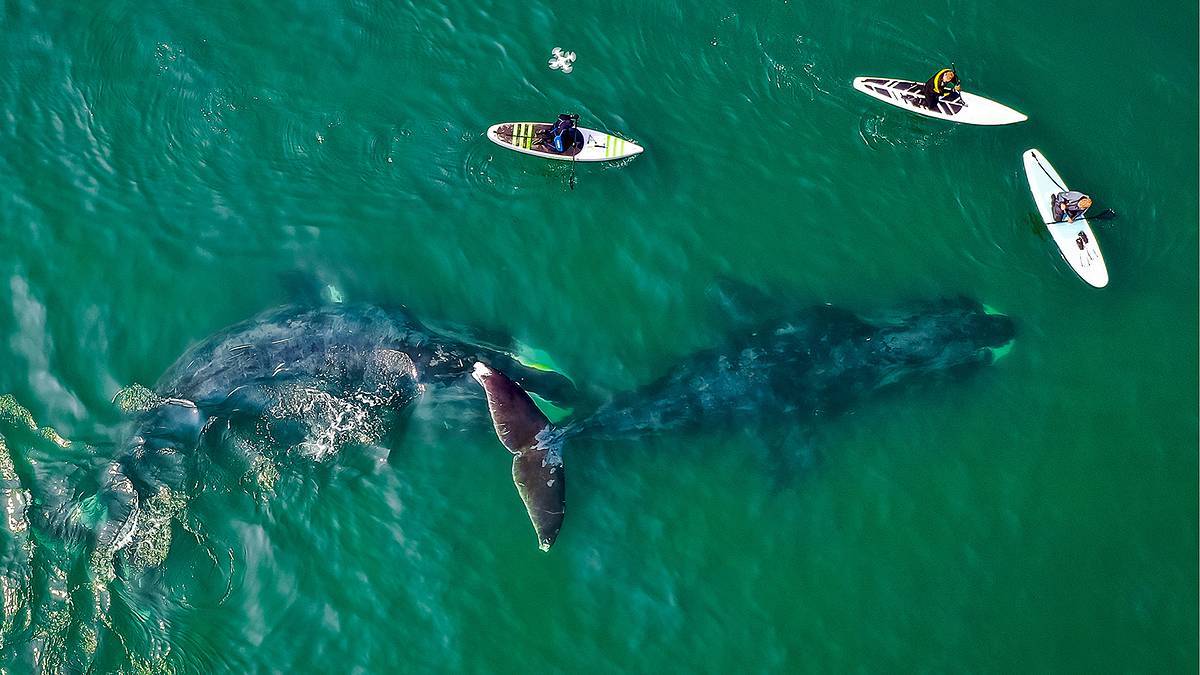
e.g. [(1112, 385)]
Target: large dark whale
[(292, 381), (818, 362), (278, 372)]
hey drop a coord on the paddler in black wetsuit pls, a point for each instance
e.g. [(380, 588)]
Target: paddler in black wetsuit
[(562, 136), (940, 86)]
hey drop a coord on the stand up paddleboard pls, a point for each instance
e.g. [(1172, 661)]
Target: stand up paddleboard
[(1075, 240), (597, 146), (961, 107)]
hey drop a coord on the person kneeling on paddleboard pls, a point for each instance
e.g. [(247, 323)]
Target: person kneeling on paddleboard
[(940, 86), (1067, 206), (562, 135)]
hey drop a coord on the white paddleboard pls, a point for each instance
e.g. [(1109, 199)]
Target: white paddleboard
[(963, 107), (1075, 240), (597, 145)]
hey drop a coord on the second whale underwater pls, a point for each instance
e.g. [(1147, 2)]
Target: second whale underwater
[(819, 361)]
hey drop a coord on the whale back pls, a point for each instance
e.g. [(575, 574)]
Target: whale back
[(820, 361), (804, 366)]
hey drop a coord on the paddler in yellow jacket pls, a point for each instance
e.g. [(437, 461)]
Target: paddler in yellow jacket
[(940, 86)]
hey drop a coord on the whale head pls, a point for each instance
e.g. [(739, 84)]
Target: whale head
[(949, 336)]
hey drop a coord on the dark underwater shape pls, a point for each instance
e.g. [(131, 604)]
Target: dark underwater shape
[(282, 366), (293, 381), (820, 361)]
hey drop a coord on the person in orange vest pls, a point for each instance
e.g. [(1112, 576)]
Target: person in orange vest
[(941, 85)]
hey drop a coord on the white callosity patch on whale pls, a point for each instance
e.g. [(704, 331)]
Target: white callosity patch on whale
[(15, 498), (16, 577), (151, 541), (550, 440), (51, 628), (480, 372), (14, 414), (136, 398), (332, 421)]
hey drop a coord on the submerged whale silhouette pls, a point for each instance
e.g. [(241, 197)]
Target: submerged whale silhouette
[(817, 362)]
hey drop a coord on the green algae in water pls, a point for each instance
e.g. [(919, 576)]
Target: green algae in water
[(14, 414), (152, 540), (136, 398)]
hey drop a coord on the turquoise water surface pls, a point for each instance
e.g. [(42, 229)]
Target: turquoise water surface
[(169, 169)]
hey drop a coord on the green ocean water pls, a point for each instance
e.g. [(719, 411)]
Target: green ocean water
[(168, 169)]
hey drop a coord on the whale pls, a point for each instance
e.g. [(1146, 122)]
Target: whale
[(296, 383), (820, 361), (298, 376)]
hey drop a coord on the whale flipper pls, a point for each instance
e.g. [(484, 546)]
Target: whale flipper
[(535, 444)]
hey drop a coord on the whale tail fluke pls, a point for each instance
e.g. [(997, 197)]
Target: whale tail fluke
[(536, 447)]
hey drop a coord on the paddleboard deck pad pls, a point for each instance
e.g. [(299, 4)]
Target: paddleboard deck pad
[(1075, 241), (596, 146), (963, 107)]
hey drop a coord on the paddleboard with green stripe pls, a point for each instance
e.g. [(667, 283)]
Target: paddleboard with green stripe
[(597, 146)]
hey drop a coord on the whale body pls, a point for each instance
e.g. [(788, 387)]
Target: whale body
[(293, 382), (819, 361), (279, 371)]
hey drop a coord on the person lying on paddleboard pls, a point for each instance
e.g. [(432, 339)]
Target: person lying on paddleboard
[(563, 135), (1068, 206), (942, 85)]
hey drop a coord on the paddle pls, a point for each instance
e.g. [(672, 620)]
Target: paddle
[(571, 182), (1106, 214)]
